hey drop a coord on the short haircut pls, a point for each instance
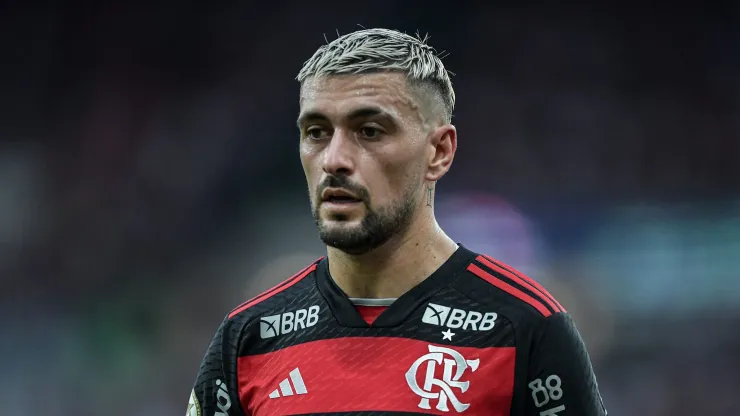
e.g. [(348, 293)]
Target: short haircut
[(379, 50)]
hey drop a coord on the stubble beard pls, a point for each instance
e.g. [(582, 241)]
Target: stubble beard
[(377, 227)]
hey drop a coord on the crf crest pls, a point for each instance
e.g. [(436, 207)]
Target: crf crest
[(445, 389)]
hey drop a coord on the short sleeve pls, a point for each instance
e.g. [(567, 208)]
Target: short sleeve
[(216, 386), (560, 377)]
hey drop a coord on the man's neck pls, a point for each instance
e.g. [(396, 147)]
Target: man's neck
[(394, 268)]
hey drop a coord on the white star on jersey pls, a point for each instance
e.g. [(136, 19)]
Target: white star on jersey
[(447, 335)]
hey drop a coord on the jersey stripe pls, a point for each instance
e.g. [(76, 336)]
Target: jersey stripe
[(525, 282), (358, 374), (523, 276), (275, 290), (496, 281)]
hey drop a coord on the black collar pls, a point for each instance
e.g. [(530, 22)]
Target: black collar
[(347, 315)]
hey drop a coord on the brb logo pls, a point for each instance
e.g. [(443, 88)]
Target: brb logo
[(272, 326), (457, 318), (441, 389)]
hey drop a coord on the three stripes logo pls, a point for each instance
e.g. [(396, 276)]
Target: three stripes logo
[(516, 284), (290, 386)]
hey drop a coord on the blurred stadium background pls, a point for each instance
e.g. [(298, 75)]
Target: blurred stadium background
[(150, 181)]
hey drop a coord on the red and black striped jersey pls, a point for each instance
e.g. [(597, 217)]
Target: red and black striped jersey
[(476, 337)]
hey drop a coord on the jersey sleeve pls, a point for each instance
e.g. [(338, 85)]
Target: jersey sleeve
[(560, 378), (216, 386)]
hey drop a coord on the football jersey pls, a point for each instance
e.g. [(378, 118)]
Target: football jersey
[(476, 337)]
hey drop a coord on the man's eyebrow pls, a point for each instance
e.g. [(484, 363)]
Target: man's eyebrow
[(363, 112), (310, 115), (367, 112)]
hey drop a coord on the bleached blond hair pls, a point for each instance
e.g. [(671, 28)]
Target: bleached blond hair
[(379, 50)]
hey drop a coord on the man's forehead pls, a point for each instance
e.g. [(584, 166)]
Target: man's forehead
[(388, 86), (386, 90), (353, 81)]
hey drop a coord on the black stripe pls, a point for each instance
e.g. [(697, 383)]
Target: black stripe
[(521, 276), (536, 295)]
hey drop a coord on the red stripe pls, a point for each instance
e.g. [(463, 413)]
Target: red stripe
[(274, 291), (269, 291), (526, 284), (523, 276), (362, 374), (509, 289)]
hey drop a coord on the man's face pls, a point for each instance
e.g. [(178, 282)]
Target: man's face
[(364, 151)]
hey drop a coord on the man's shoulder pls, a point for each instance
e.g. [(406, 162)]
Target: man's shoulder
[(519, 297), (275, 296)]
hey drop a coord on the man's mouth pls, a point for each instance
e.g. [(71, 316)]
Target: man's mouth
[(338, 196), (341, 199)]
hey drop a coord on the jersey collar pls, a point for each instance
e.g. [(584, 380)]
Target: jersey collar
[(347, 315)]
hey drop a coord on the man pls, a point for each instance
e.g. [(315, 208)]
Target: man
[(397, 317)]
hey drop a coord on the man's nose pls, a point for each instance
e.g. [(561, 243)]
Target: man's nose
[(339, 155)]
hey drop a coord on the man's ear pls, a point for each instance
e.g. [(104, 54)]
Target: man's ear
[(443, 143)]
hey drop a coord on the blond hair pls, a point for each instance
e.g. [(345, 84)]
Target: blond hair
[(377, 50)]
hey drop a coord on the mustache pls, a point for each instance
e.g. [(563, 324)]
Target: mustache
[(343, 182)]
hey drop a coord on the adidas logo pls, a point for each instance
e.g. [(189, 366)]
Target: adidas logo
[(286, 389)]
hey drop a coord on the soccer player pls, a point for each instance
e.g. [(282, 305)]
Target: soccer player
[(398, 317)]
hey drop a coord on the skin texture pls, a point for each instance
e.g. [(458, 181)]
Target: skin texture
[(381, 141)]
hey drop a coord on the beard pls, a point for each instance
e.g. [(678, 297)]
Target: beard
[(377, 226)]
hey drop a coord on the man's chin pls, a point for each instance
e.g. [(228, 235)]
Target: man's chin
[(351, 249), (345, 237), (340, 230), (341, 222)]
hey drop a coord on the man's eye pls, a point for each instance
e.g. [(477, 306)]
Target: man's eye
[(370, 132), (315, 133)]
